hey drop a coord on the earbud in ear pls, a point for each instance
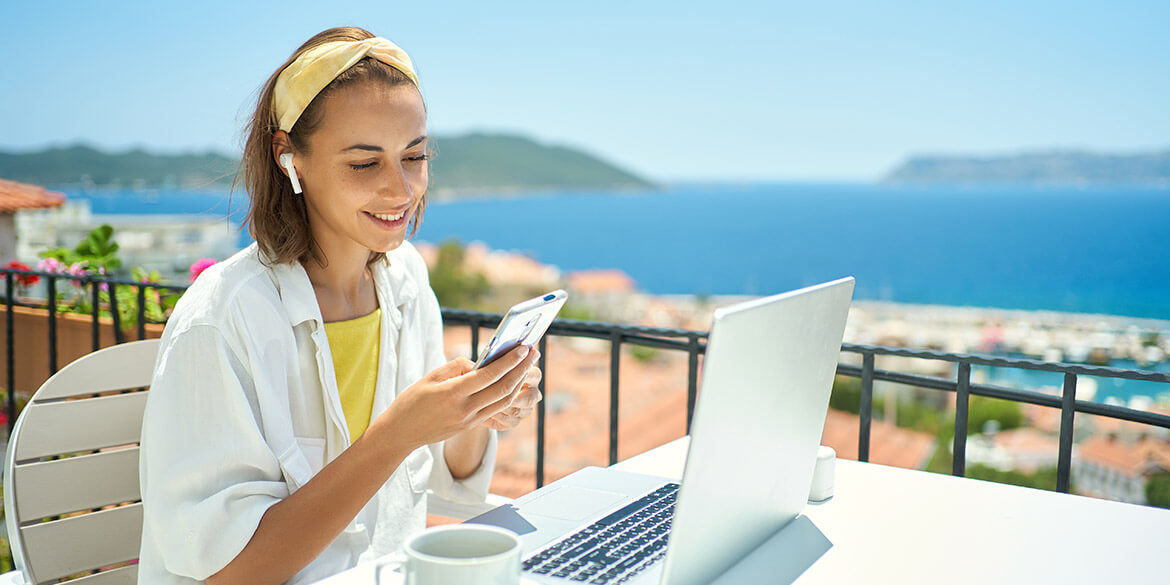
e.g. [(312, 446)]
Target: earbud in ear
[(286, 161)]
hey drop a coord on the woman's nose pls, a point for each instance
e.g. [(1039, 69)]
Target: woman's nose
[(398, 183)]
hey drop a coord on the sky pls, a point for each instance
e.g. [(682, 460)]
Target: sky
[(671, 90)]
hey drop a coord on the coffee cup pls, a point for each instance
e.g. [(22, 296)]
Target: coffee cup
[(456, 553)]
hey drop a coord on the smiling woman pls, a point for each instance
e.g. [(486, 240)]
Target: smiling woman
[(364, 173), (301, 406), (389, 106)]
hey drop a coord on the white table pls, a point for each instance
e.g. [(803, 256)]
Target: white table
[(890, 525)]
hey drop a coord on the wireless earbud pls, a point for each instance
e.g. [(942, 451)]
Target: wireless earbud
[(286, 161)]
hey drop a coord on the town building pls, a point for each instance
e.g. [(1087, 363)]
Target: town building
[(19, 199), (1117, 469)]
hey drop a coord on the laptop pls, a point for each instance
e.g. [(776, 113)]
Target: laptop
[(757, 424)]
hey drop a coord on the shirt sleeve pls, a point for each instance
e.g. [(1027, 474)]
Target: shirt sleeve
[(474, 488), (207, 474)]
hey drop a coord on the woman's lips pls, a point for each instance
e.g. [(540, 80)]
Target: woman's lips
[(382, 219)]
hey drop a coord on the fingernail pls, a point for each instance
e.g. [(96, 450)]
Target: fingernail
[(524, 351)]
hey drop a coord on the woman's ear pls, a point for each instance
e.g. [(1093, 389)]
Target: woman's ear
[(280, 145), (283, 153)]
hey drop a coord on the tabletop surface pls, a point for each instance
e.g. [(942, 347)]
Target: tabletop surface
[(891, 525)]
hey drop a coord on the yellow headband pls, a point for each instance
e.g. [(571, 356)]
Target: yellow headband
[(305, 77)]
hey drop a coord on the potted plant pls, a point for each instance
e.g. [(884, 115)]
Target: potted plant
[(94, 256)]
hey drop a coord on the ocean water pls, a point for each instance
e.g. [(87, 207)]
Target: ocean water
[(1092, 250), (1076, 250)]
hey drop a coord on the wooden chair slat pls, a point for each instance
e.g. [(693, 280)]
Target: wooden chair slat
[(80, 425), (118, 367), (82, 543), (51, 488), (127, 575)]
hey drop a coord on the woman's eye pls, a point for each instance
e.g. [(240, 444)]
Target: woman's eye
[(419, 157), (358, 167)]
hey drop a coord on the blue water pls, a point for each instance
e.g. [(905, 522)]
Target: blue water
[(1099, 250), (1095, 251)]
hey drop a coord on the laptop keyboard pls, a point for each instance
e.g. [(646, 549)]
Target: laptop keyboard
[(615, 548)]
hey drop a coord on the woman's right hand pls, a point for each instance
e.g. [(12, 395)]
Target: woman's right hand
[(455, 397)]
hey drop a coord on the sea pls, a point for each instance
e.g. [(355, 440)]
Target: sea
[(1099, 250)]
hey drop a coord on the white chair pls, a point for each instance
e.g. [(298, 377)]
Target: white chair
[(71, 471)]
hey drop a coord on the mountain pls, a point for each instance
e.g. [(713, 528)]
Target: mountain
[(1047, 168), (475, 162), (81, 164)]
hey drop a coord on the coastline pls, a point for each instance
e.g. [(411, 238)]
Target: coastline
[(970, 329)]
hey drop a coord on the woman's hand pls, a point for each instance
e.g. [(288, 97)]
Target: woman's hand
[(525, 399), (456, 397)]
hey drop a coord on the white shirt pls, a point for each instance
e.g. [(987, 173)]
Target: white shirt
[(244, 409)]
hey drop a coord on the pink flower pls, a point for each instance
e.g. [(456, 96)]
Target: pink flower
[(78, 269), (199, 266), (104, 287), (51, 265)]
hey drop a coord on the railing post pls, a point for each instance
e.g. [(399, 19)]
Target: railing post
[(52, 325), (615, 356), (542, 363), (1067, 409), (10, 334), (962, 400), (692, 377), (866, 408), (95, 302), (115, 315), (142, 311), (475, 339)]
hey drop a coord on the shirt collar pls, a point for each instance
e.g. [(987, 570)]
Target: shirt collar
[(395, 287)]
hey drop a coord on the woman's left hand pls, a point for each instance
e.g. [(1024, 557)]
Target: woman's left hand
[(524, 400)]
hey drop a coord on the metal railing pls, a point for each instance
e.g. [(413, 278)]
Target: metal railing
[(691, 342), (95, 286), (694, 344), (964, 388)]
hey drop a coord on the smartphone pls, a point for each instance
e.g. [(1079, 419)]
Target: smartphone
[(524, 324)]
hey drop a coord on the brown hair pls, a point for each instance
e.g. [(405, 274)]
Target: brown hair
[(277, 218)]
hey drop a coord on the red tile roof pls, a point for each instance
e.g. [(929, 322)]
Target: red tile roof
[(888, 444), (16, 196), (1130, 459), (600, 281)]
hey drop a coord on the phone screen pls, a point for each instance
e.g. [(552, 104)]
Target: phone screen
[(524, 324), (512, 334)]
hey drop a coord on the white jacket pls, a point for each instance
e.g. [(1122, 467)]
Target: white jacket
[(244, 409)]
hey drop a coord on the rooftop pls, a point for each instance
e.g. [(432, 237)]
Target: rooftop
[(16, 196), (1125, 457), (890, 445), (600, 281)]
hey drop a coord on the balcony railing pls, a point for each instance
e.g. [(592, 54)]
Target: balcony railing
[(693, 344)]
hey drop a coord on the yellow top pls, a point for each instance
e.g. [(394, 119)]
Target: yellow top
[(354, 345)]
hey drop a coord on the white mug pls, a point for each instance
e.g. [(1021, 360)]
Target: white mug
[(457, 553)]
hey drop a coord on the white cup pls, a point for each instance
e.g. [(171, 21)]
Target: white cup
[(457, 553), (822, 481)]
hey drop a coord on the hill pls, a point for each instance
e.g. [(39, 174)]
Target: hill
[(477, 162), (462, 164), (85, 165), (1048, 168)]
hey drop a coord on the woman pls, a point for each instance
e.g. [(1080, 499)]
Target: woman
[(301, 405)]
